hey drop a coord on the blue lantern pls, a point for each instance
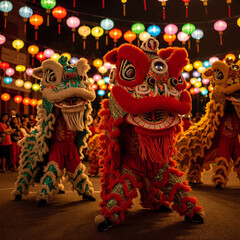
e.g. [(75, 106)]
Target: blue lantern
[(25, 12), (204, 92), (7, 80), (154, 30), (73, 60), (206, 64), (106, 80), (6, 6), (197, 34), (101, 92), (107, 24)]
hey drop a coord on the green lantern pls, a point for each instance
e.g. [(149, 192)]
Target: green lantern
[(48, 5), (138, 28), (188, 28)]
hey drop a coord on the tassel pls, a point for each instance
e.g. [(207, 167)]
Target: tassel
[(145, 5)]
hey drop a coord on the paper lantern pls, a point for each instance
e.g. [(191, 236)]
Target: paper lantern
[(107, 24), (29, 71), (102, 69), (154, 30), (124, 6), (91, 80), (55, 56), (238, 22), (192, 92), (39, 101), (186, 3), (188, 67), (188, 85), (8, 80), (73, 23), (205, 3), (18, 99), (59, 13), (73, 60), (48, 53), (201, 69), (5, 7), (36, 20), (33, 50), (206, 64), (9, 72), (103, 87), (19, 82), (48, 5), (27, 85), (4, 65), (169, 38), (95, 86), (204, 92), (97, 32), (198, 84), (138, 28), (196, 89), (193, 81), (205, 81), (100, 82), (26, 101), (220, 26), (213, 59), (129, 36), (110, 87), (101, 92), (97, 77), (188, 28), (106, 80), (185, 75), (115, 34), (33, 102), (210, 88), (35, 87), (197, 64), (18, 44), (2, 39), (20, 68), (67, 55), (230, 57), (143, 36), (197, 34), (97, 63), (171, 29), (5, 97), (183, 37), (40, 56), (25, 12), (163, 7), (107, 65), (196, 74), (84, 31)]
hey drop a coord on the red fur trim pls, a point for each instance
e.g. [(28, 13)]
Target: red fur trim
[(154, 133), (111, 56), (165, 53), (142, 105)]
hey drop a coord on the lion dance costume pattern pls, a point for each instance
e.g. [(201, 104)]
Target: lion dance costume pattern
[(214, 139), (56, 143), (141, 121)]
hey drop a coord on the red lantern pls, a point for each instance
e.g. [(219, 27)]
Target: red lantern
[(95, 86), (40, 56), (186, 2), (36, 20), (192, 91), (188, 85), (115, 34), (59, 13), (34, 102), (4, 65), (129, 36), (169, 38), (18, 99), (5, 97), (26, 101)]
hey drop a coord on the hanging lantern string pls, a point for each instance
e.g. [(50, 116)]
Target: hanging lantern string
[(145, 5), (74, 3), (103, 3), (229, 10)]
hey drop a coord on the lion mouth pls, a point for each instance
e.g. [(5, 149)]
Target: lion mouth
[(234, 97), (71, 102)]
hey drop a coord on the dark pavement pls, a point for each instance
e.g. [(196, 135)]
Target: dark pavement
[(68, 217)]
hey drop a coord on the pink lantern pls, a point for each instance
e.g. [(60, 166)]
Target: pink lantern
[(205, 81), (73, 23), (171, 29), (2, 39), (213, 59), (97, 77), (196, 89), (183, 37), (29, 71), (48, 53), (220, 26), (10, 71)]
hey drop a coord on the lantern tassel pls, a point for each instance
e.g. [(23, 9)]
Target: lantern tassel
[(106, 40), (5, 22), (103, 3), (197, 48), (164, 14), (33, 61), (124, 9), (59, 28), (206, 9), (145, 5), (221, 41), (189, 44), (138, 42), (47, 20), (36, 35), (74, 3), (97, 44), (229, 10), (73, 36), (84, 44), (25, 28), (186, 12)]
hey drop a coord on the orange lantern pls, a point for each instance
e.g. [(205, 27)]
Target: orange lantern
[(18, 99), (115, 34), (5, 97), (129, 36), (26, 101), (103, 87), (192, 91), (33, 102), (36, 20), (33, 50), (110, 87), (169, 38)]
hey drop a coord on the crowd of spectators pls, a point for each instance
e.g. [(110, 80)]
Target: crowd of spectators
[(13, 128)]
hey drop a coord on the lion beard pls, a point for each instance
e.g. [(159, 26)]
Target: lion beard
[(74, 120)]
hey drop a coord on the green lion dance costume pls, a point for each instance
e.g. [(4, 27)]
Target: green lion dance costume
[(57, 141), (214, 139), (141, 122)]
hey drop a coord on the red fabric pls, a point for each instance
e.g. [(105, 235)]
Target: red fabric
[(7, 140), (15, 153), (186, 124)]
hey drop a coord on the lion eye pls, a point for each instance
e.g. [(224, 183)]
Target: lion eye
[(159, 66), (219, 75), (127, 71), (50, 76)]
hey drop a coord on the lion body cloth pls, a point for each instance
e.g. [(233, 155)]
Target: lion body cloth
[(214, 139), (57, 141), (141, 121)]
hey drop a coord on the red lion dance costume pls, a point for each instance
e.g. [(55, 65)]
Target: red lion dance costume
[(141, 122)]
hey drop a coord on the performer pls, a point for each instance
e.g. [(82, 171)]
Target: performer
[(60, 135), (214, 139), (141, 122)]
